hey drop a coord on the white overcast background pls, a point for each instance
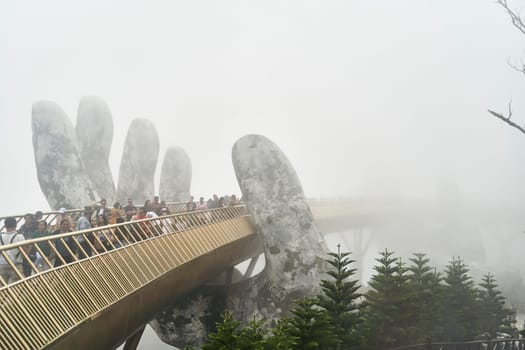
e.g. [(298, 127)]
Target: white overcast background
[(382, 98), (366, 98)]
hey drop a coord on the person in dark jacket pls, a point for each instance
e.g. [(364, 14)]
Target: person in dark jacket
[(61, 247)]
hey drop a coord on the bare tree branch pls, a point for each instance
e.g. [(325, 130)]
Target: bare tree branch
[(515, 17), (516, 68), (519, 23), (507, 120)]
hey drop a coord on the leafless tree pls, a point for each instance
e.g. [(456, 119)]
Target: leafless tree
[(519, 23)]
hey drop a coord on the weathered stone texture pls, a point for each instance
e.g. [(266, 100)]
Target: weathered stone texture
[(293, 249), (175, 175), (94, 130), (139, 161), (193, 317), (274, 196), (59, 167)]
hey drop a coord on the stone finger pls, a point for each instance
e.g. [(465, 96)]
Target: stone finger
[(275, 198), (139, 160), (59, 166), (175, 176), (94, 130)]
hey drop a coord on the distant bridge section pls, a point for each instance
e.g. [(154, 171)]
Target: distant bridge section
[(337, 215)]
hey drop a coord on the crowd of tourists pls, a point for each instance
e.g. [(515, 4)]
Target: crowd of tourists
[(86, 244)]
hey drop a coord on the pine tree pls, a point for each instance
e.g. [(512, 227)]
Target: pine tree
[(495, 317), (281, 338), (404, 318), (253, 336), (226, 336), (311, 326), (460, 308), (425, 296), (385, 307), (339, 300)]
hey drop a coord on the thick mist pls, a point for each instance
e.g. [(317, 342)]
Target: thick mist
[(384, 100)]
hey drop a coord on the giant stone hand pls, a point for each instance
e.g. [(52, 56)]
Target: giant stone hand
[(73, 170), (73, 163)]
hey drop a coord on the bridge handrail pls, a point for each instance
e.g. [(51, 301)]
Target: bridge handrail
[(454, 345), (132, 232)]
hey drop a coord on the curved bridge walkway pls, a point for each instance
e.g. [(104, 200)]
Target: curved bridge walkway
[(98, 288), (74, 301)]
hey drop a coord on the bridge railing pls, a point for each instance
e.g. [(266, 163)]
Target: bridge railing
[(490, 344), (51, 217), (52, 251), (38, 310)]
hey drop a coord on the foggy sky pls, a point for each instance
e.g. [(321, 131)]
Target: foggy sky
[(366, 98)]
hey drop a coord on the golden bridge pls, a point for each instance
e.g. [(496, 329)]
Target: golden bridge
[(104, 297), (99, 301)]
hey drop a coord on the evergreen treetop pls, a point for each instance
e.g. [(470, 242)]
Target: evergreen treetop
[(225, 338), (425, 293), (281, 338), (339, 299), (496, 318), (385, 310), (311, 326), (460, 307)]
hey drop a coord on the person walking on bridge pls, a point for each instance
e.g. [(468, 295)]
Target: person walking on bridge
[(64, 216), (155, 206), (44, 246), (38, 216), (191, 205), (11, 236), (84, 223), (63, 244), (28, 227), (130, 209), (116, 212), (164, 210), (103, 210), (27, 230), (143, 228), (203, 217)]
